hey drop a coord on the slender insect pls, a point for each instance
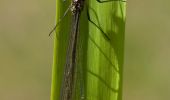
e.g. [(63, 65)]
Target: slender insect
[(69, 72), (76, 8)]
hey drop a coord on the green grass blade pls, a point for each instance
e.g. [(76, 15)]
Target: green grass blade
[(100, 58)]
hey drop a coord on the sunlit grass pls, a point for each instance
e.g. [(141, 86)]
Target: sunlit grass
[(100, 51)]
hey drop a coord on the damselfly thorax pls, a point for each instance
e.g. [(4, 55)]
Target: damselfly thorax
[(77, 6)]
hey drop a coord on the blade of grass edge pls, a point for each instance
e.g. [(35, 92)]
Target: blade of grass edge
[(60, 45)]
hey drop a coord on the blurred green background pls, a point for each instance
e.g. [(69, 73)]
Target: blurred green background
[(26, 50)]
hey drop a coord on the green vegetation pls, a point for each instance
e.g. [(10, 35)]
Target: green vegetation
[(100, 51)]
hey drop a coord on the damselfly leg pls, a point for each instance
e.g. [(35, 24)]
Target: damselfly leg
[(65, 13), (104, 1), (98, 26)]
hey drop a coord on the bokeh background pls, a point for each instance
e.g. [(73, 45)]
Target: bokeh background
[(147, 50), (26, 50)]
